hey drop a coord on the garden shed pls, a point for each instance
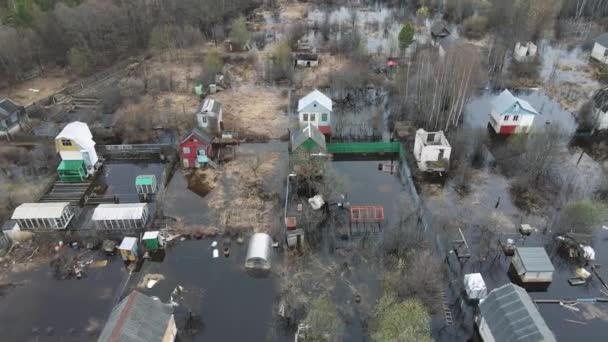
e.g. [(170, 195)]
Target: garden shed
[(145, 186), (56, 215), (259, 252), (532, 265), (129, 248), (432, 151), (121, 216), (475, 286)]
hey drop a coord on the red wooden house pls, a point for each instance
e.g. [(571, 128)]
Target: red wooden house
[(195, 148)]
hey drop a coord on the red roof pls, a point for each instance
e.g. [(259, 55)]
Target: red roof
[(391, 63), (325, 129)]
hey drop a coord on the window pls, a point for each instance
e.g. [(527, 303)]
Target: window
[(304, 117), (506, 118), (204, 118), (186, 150), (605, 52), (312, 117), (66, 142), (324, 117), (515, 117)]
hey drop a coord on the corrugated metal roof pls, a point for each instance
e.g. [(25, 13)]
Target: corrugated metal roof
[(39, 210), (137, 318), (126, 211), (507, 103), (313, 96), (211, 106), (512, 316), (535, 259), (259, 246), (602, 39), (308, 132), (78, 132)]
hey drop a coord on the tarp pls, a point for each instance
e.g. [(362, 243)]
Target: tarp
[(475, 286), (316, 202)]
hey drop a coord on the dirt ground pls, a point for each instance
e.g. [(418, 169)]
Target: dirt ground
[(319, 76), (255, 111), (37, 88)]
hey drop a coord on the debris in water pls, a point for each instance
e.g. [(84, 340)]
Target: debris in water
[(214, 244), (226, 252), (149, 280), (99, 264), (216, 253)]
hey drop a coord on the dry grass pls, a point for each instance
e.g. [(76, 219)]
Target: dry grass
[(254, 110), (240, 202), (47, 84), (319, 75)]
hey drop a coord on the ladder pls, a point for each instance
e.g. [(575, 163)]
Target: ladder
[(212, 163), (446, 309)]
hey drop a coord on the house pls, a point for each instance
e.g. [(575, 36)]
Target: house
[(511, 115), (40, 216), (315, 108), (432, 151), (600, 48), (600, 109), (129, 248), (259, 252), (532, 265), (210, 117), (309, 140), (306, 59), (195, 148), (11, 117), (524, 52), (508, 314), (121, 216), (139, 318), (75, 142)]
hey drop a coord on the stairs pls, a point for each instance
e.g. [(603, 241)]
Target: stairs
[(446, 309)]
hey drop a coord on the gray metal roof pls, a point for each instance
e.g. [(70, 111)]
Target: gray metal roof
[(535, 259), (600, 99), (308, 132), (202, 136), (8, 107), (512, 316), (137, 318), (602, 39), (507, 103)]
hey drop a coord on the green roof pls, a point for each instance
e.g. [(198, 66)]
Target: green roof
[(70, 165), (145, 180)]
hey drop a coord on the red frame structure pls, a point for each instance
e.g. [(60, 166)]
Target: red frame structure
[(366, 214)]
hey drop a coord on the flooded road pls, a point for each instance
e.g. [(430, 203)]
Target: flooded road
[(42, 308), (233, 305)]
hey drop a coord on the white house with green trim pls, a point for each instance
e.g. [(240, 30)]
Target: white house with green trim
[(315, 109)]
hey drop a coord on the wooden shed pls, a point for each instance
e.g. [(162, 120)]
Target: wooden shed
[(532, 265)]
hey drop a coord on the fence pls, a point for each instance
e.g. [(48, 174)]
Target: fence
[(365, 147), (137, 151)]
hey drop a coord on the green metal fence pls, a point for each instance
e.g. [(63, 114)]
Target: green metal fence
[(365, 147)]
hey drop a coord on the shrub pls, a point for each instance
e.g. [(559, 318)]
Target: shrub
[(475, 27), (401, 321), (81, 60), (239, 35)]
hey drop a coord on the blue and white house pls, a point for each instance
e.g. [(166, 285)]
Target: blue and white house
[(511, 115)]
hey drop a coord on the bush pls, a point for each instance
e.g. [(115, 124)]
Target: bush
[(401, 321), (581, 217), (239, 35), (526, 69), (81, 60), (324, 322), (475, 27), (281, 67), (160, 39)]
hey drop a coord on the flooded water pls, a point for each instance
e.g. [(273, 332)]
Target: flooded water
[(120, 177), (42, 308), (233, 305), (563, 64), (478, 109)]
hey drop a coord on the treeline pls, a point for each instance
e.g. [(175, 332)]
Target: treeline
[(88, 34)]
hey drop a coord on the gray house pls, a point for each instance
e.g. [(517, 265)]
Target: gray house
[(508, 314), (11, 115), (315, 109), (139, 318), (209, 117)]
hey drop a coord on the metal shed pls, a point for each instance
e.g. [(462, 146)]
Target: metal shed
[(55, 215), (508, 314), (139, 318), (121, 216), (72, 171), (259, 252), (532, 265)]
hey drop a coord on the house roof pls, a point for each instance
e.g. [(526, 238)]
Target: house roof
[(507, 103), (600, 99), (39, 210), (137, 318), (313, 96), (535, 259), (123, 211), (308, 132), (128, 242), (211, 106), (512, 316), (78, 132), (440, 28), (602, 39), (202, 136), (7, 107)]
